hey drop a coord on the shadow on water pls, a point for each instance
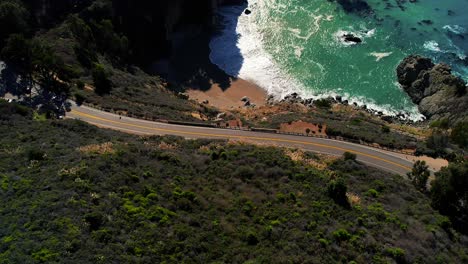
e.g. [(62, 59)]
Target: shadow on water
[(190, 65)]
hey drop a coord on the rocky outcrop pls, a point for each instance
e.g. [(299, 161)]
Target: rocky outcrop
[(438, 93), (351, 38)]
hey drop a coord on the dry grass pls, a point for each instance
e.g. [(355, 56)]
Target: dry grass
[(166, 146), (353, 198), (299, 156), (101, 149)]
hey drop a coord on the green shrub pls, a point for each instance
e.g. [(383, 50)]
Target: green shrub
[(36, 154), (323, 103), (252, 239), (459, 134), (441, 123), (396, 253), (341, 235), (419, 175), (372, 193), (102, 83), (80, 84), (44, 255), (244, 172), (385, 129), (323, 242), (349, 156), (80, 98)]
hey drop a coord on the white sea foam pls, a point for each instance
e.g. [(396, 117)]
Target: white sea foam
[(435, 47), (456, 29), (298, 51), (380, 55), (239, 51), (432, 45)]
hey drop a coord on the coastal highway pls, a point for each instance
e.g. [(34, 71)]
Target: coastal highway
[(386, 160)]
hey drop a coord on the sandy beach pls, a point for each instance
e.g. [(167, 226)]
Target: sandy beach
[(192, 69), (230, 98)]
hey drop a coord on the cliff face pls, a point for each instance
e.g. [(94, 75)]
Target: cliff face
[(438, 93)]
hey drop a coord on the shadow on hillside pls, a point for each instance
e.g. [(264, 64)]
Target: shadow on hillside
[(190, 65)]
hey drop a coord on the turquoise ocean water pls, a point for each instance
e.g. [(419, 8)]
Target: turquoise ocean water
[(295, 46)]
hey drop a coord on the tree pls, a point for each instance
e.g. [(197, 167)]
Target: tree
[(419, 175), (337, 191), (50, 71), (459, 134), (438, 142), (449, 194), (101, 80), (17, 52), (13, 17)]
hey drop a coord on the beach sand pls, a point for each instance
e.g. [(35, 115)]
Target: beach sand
[(230, 98), (192, 69)]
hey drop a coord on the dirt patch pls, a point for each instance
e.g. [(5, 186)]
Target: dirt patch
[(304, 128), (235, 123)]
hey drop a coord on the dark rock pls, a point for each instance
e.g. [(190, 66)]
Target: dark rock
[(309, 102), (351, 38), (345, 102), (427, 22), (339, 98), (408, 72), (438, 93), (247, 12), (386, 118)]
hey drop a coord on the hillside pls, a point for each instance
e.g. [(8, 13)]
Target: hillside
[(73, 193)]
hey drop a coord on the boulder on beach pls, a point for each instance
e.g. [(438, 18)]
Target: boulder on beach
[(245, 99)]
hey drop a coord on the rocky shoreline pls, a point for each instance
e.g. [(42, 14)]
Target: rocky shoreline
[(438, 93)]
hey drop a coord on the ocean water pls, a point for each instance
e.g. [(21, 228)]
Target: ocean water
[(290, 46)]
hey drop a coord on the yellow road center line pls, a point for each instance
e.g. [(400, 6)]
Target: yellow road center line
[(242, 137)]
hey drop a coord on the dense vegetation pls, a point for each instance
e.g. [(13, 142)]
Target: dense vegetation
[(73, 193)]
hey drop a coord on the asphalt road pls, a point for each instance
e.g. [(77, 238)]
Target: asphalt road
[(386, 160)]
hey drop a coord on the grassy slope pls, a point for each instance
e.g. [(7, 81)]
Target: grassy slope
[(133, 92), (148, 200)]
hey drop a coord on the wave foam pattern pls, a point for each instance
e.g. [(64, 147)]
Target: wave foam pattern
[(275, 52)]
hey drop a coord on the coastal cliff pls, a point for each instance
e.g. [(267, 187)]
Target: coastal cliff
[(438, 93)]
